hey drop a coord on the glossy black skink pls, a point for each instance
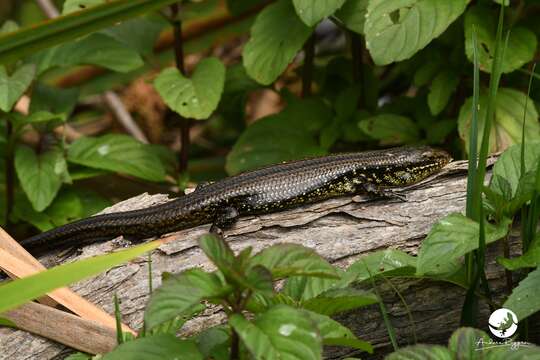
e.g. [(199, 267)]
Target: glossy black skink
[(265, 190)]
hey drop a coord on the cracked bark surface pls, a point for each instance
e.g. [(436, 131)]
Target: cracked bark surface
[(342, 230)]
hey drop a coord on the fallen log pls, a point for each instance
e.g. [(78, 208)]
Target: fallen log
[(341, 230)]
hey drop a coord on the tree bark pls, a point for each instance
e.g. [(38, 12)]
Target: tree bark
[(341, 230)]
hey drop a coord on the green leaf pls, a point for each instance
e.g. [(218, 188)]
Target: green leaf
[(524, 300), (288, 135), (13, 87), (276, 36), (218, 251), (508, 167), (396, 29), (17, 292), (37, 119), (138, 34), (79, 5), (158, 347), (27, 41), (303, 288), (521, 43), (388, 263), (335, 334), (118, 153), (69, 205), (353, 15), (179, 293), (95, 49), (311, 12), (507, 126), (285, 260), (53, 99), (450, 238), (465, 343), (40, 175), (214, 342), (390, 129), (442, 87), (512, 352), (336, 301), (530, 259), (282, 332), (79, 356), (193, 98), (421, 352)]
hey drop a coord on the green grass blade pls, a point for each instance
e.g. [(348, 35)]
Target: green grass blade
[(21, 43), (472, 199), (19, 291), (524, 118), (496, 73), (118, 320)]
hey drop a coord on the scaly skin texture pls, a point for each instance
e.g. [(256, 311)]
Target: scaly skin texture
[(265, 190)]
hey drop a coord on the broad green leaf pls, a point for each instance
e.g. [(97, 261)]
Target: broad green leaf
[(37, 119), (521, 43), (508, 167), (218, 251), (118, 153), (276, 37), (193, 98), (69, 205), (79, 5), (465, 343), (303, 288), (40, 176), (282, 332), (512, 352), (388, 263), (449, 239), (421, 352), (214, 342), (13, 87), (285, 260), (507, 126), (17, 292), (396, 29), (353, 15), (311, 12), (530, 259), (390, 129), (181, 292), (336, 301), (53, 99), (27, 41), (139, 34), (335, 334), (277, 138), (442, 87), (95, 49), (157, 347), (524, 300)]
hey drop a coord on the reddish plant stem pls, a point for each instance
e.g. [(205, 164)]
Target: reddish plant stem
[(307, 71), (185, 124)]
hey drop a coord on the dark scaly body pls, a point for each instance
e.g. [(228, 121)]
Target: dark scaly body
[(264, 190)]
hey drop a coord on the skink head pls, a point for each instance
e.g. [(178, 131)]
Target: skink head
[(414, 164)]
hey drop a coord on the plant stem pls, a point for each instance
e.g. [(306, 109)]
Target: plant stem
[(307, 71), (185, 124), (235, 345), (10, 170)]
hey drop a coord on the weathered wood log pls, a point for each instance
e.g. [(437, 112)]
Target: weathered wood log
[(341, 230)]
